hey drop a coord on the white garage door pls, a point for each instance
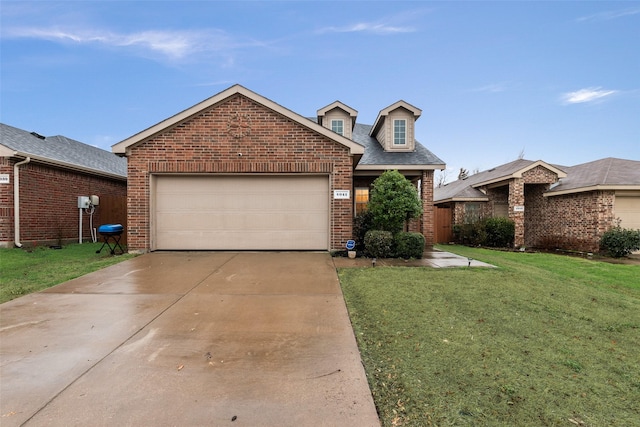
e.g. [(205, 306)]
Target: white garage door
[(628, 210), (241, 212)]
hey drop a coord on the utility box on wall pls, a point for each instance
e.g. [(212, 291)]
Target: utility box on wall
[(83, 202)]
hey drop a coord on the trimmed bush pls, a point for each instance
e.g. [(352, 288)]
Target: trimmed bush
[(620, 242), (469, 234), (379, 243), (499, 232), (409, 245), (493, 232)]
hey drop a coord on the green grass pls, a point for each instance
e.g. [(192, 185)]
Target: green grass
[(26, 271), (543, 340)]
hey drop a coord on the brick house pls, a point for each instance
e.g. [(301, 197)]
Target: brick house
[(552, 206), (239, 172), (40, 181)]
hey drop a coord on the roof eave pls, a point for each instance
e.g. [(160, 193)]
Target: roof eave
[(70, 166), (398, 167), (462, 199), (615, 187)]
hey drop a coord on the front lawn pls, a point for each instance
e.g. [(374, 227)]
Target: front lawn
[(24, 271), (541, 340)]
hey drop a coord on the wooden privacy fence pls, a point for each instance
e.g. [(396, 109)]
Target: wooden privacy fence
[(113, 210), (442, 221)]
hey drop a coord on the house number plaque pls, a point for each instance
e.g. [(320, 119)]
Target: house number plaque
[(341, 194)]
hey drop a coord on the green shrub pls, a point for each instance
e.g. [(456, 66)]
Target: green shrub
[(379, 243), (393, 201), (499, 232), (361, 224), (469, 233), (620, 242), (409, 245), (493, 232)]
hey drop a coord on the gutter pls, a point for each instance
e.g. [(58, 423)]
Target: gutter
[(70, 166), (16, 201)]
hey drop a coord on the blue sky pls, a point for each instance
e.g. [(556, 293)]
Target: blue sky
[(557, 81)]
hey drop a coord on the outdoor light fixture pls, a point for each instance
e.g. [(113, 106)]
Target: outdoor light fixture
[(373, 262), (469, 259)]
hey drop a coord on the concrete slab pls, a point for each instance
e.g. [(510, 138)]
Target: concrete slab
[(190, 339), (432, 258)]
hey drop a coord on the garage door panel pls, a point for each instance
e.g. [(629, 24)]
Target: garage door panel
[(241, 212), (628, 210)]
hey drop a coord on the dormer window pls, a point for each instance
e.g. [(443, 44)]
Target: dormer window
[(395, 127), (338, 117), (337, 126), (399, 132)]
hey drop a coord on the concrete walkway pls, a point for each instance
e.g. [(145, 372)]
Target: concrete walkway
[(186, 339), (431, 258)]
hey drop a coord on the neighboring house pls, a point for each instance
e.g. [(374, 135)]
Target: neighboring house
[(552, 206), (40, 181), (240, 172)]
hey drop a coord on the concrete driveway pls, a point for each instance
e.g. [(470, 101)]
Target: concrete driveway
[(186, 339)]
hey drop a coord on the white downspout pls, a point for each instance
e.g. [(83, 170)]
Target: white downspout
[(16, 201)]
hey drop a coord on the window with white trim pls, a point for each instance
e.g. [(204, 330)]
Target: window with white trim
[(399, 132), (337, 126)]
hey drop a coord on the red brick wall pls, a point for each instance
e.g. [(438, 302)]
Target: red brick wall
[(516, 198), (575, 221), (539, 175), (203, 144), (49, 203), (427, 207)]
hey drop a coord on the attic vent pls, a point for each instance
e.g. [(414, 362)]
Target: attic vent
[(37, 135)]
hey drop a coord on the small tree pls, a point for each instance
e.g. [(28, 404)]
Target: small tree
[(393, 201)]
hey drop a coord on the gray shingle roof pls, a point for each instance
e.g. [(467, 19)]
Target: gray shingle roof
[(374, 154), (62, 151), (611, 172), (463, 188), (604, 172)]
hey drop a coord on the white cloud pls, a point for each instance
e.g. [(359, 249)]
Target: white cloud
[(173, 45), (590, 94), (368, 27), (609, 15), (492, 88)]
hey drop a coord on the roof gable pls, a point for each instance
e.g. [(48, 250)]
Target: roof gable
[(61, 151), (123, 146), (468, 187), (415, 111), (513, 169), (337, 104)]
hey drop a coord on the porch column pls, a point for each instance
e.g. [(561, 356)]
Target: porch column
[(516, 198), (428, 212)]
